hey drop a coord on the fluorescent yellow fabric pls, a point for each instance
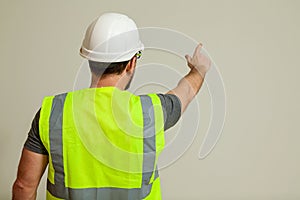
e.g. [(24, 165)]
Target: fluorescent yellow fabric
[(44, 132), (155, 192), (103, 139), (50, 196)]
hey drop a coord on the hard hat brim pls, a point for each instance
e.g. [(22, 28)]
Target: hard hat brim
[(109, 57)]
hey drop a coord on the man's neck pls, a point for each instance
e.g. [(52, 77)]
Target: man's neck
[(107, 81)]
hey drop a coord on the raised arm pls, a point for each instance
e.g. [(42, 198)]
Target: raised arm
[(190, 85)]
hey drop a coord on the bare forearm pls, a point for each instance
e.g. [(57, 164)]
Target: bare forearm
[(188, 87), (194, 80)]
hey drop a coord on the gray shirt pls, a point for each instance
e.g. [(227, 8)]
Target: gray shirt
[(171, 106)]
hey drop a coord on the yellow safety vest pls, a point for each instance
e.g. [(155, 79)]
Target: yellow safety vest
[(103, 143)]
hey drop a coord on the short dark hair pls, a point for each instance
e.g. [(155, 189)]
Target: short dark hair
[(102, 68)]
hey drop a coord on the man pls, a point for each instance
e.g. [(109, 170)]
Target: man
[(103, 142)]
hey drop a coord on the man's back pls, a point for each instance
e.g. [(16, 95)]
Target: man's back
[(106, 141)]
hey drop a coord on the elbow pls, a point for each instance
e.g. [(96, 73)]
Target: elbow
[(18, 186), (23, 191)]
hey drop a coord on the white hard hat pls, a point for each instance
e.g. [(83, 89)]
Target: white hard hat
[(112, 37)]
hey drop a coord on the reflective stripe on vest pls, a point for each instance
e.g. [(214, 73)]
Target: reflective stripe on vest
[(56, 150)]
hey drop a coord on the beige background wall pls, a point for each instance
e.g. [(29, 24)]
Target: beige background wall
[(256, 46)]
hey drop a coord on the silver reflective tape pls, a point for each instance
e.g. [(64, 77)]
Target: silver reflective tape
[(149, 143), (98, 193), (56, 146)]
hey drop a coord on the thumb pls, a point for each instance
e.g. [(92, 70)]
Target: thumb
[(189, 60)]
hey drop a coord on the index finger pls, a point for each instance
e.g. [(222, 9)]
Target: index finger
[(198, 48)]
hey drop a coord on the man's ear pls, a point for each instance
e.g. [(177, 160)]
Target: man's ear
[(130, 67)]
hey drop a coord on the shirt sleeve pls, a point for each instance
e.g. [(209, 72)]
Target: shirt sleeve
[(171, 106), (33, 142)]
